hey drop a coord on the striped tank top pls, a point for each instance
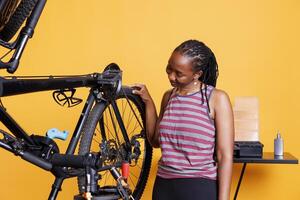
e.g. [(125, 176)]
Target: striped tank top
[(187, 138)]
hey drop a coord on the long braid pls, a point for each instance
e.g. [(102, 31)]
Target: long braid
[(203, 60), (202, 101)]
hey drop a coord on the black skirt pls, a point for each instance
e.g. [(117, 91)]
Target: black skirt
[(184, 189)]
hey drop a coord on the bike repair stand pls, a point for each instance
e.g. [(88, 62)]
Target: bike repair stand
[(94, 193)]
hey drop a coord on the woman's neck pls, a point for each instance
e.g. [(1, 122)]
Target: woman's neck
[(189, 89)]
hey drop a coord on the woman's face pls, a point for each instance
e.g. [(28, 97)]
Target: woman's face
[(180, 71)]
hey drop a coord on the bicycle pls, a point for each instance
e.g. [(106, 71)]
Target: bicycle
[(110, 131)]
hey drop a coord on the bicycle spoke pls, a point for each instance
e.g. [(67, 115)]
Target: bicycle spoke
[(132, 183), (125, 107), (128, 116), (96, 141), (133, 111), (109, 139), (114, 125), (109, 131), (133, 176), (135, 127)]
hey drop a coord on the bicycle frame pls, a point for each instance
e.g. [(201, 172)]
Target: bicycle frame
[(103, 89), (20, 86), (100, 84)]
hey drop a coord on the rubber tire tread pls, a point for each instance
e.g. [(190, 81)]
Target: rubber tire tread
[(16, 20), (88, 131)]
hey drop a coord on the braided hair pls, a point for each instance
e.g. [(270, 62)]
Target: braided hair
[(204, 60)]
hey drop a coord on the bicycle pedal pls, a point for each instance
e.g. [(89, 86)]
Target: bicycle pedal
[(54, 133)]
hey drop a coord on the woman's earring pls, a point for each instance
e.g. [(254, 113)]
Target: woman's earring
[(195, 83)]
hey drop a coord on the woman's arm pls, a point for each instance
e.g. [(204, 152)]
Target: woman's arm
[(152, 120), (224, 139)]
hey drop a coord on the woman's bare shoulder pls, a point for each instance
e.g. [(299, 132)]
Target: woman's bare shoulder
[(220, 98), (168, 93), (219, 94), (166, 97)]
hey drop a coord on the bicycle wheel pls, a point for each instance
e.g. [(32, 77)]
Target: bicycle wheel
[(16, 20), (7, 8), (101, 133)]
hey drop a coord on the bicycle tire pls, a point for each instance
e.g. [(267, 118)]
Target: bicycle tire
[(7, 8), (16, 20), (97, 116)]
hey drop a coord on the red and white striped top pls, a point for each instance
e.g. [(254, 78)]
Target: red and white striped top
[(187, 138)]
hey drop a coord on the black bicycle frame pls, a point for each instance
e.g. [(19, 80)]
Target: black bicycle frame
[(16, 86), (98, 83)]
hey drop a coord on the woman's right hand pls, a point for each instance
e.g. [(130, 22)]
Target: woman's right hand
[(142, 91), (151, 114)]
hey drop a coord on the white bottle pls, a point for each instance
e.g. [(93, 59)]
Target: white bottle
[(278, 145)]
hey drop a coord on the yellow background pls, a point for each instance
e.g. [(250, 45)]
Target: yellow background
[(257, 47)]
